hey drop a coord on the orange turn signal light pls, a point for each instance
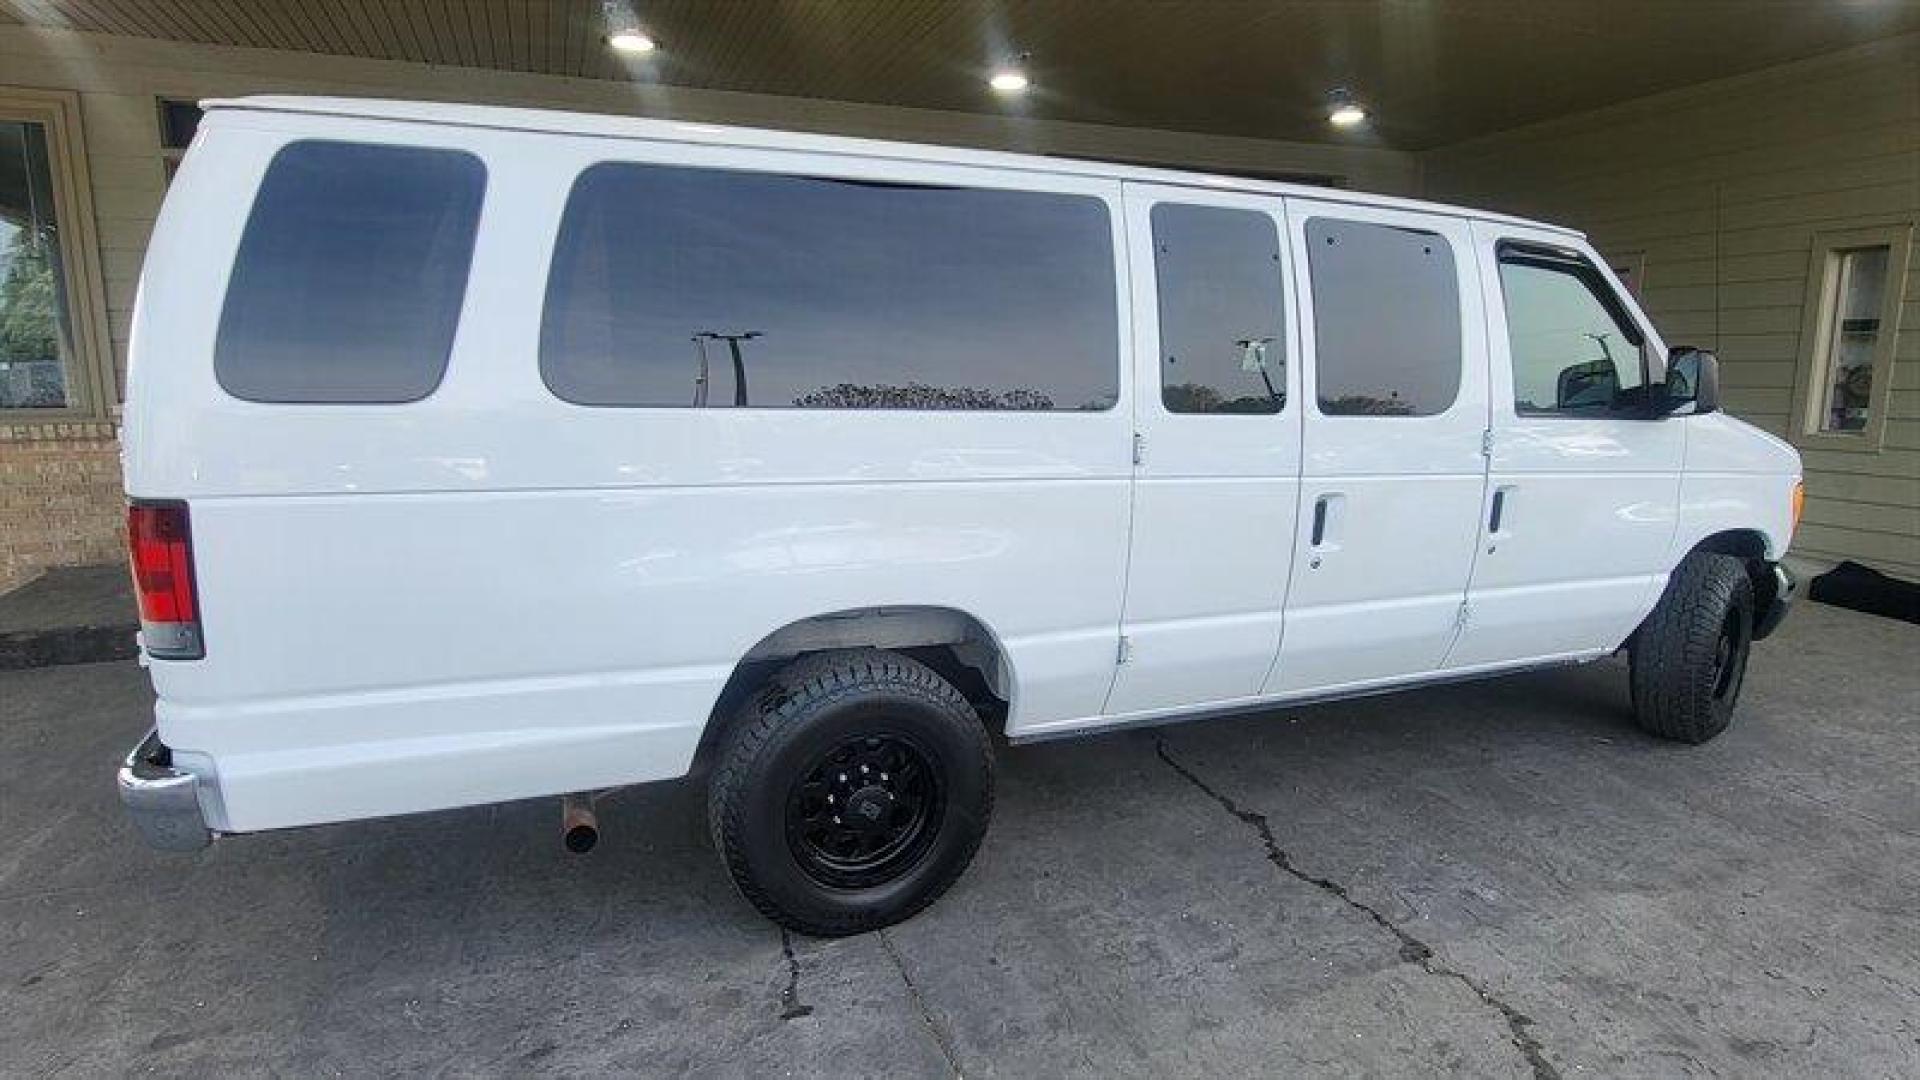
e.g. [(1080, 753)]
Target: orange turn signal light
[(1799, 502)]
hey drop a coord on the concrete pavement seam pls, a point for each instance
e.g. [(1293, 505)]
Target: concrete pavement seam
[(919, 1002), (1412, 949), (790, 1006)]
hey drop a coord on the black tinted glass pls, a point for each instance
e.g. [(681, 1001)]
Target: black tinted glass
[(348, 283), (1386, 314), (179, 120), (1572, 353), (700, 287), (1218, 274)]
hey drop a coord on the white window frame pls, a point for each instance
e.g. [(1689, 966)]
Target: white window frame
[(91, 386), (1817, 328)]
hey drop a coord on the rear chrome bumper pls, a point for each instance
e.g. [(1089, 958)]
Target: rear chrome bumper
[(1767, 619), (162, 801)]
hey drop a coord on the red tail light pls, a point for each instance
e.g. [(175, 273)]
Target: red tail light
[(161, 547)]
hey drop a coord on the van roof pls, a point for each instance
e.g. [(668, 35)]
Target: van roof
[(604, 125)]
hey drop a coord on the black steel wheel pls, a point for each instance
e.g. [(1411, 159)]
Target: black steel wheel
[(1730, 657), (851, 793), (866, 810)]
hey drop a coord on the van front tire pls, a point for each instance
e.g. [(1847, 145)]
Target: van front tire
[(1689, 658), (852, 793)]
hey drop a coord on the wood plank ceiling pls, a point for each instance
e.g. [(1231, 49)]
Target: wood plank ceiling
[(1432, 71)]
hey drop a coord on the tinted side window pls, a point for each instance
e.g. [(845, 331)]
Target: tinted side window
[(701, 287), (348, 283), (1218, 274), (1386, 316), (1573, 351)]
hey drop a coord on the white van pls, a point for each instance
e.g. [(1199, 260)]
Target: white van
[(480, 454)]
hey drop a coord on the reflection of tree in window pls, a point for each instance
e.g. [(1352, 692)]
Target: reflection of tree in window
[(921, 396), (1199, 398), (29, 335), (34, 333), (1364, 405)]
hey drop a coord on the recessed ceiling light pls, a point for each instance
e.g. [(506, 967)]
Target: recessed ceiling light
[(1343, 111), (1009, 81), (631, 41)]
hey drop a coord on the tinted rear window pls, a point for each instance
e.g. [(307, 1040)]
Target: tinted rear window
[(348, 283), (691, 287)]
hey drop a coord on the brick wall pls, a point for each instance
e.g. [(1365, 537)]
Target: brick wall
[(60, 499)]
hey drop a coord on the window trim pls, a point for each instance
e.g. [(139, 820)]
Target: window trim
[(1582, 268), (1816, 335), (94, 385)]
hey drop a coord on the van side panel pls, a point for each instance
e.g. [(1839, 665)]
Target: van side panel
[(491, 593), (530, 642)]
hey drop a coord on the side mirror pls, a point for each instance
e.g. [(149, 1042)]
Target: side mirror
[(1693, 379), (1593, 383)]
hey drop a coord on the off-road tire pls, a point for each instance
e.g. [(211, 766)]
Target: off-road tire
[(807, 710), (1689, 658)]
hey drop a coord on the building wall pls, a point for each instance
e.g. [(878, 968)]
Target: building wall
[(1721, 188), (59, 498), (57, 508)]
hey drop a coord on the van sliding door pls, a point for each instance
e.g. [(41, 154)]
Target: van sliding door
[(1217, 419), (1394, 396)]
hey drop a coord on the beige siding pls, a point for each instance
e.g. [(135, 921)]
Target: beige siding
[(1723, 186)]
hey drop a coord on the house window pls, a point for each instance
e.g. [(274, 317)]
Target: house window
[(179, 119), (1846, 379), (1855, 286), (50, 326)]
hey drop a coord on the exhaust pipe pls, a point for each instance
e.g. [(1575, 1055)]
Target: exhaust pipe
[(579, 828)]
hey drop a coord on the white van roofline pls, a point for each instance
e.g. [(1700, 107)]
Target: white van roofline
[(604, 125)]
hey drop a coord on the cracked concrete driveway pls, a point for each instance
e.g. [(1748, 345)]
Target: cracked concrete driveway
[(1502, 879)]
